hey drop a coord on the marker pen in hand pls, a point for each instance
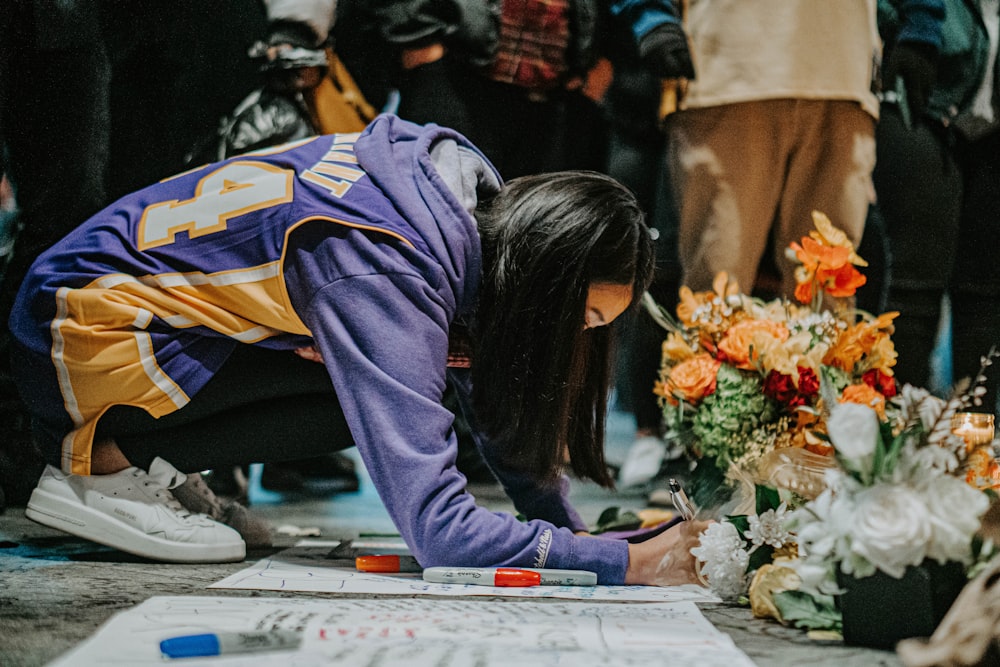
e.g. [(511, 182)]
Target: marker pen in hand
[(680, 499), (224, 643), (482, 576)]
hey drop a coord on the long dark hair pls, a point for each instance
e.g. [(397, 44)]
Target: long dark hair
[(540, 381)]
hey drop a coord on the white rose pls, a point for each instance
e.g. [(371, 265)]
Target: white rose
[(953, 512), (853, 429), (890, 529), (822, 529)]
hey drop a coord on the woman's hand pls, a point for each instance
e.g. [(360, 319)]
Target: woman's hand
[(666, 559), (310, 353), (413, 58)]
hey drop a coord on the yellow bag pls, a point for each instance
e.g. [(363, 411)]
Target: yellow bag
[(674, 90), (337, 104)]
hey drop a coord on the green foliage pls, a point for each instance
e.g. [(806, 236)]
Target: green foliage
[(729, 415), (767, 498), (741, 521), (613, 518), (707, 486), (808, 612), (760, 556)]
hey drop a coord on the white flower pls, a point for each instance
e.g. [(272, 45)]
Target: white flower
[(769, 528), (728, 579), (853, 429), (930, 409), (890, 530), (953, 512), (718, 542), (725, 560), (816, 576), (916, 506), (822, 529), (931, 460)]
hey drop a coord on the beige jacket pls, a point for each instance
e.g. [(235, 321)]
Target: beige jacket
[(749, 50)]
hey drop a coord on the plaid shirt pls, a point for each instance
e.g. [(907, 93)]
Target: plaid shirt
[(534, 37)]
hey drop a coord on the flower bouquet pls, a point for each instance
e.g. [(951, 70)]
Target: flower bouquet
[(864, 497), (883, 550), (740, 378), (896, 532)]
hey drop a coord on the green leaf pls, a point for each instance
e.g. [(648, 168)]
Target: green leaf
[(804, 611), (767, 498), (741, 521), (763, 555), (614, 519), (879, 460), (607, 516), (892, 457), (706, 485)]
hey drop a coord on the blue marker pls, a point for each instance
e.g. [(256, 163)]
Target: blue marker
[(223, 643)]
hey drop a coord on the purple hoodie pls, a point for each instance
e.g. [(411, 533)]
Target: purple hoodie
[(385, 320), (362, 245)]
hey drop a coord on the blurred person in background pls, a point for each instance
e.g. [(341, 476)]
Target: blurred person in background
[(938, 183)]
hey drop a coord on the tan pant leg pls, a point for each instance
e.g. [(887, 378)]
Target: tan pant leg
[(738, 169), (726, 171), (829, 171)]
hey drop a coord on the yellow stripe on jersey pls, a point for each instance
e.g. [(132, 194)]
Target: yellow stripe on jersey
[(98, 332), (245, 304), (101, 361)]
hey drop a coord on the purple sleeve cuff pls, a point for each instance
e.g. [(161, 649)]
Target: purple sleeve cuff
[(607, 558)]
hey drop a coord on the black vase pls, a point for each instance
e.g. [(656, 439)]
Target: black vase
[(880, 610)]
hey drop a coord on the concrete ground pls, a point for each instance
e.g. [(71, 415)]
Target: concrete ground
[(56, 590)]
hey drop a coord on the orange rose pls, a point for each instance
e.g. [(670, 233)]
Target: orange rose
[(738, 346), (693, 379), (864, 395)]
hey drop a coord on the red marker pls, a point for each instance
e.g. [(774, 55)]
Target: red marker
[(482, 576), (387, 563)]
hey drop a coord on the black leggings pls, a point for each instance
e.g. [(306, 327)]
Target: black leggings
[(262, 405)]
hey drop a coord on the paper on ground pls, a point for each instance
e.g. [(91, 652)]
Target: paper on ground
[(419, 632), (303, 569)]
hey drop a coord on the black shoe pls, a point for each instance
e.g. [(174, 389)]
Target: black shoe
[(318, 476), (230, 483)]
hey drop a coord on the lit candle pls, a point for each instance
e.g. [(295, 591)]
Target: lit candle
[(976, 428)]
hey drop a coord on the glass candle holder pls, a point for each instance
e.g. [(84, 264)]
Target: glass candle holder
[(976, 428)]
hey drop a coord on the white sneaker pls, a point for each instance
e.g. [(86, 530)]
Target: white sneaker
[(133, 512)]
